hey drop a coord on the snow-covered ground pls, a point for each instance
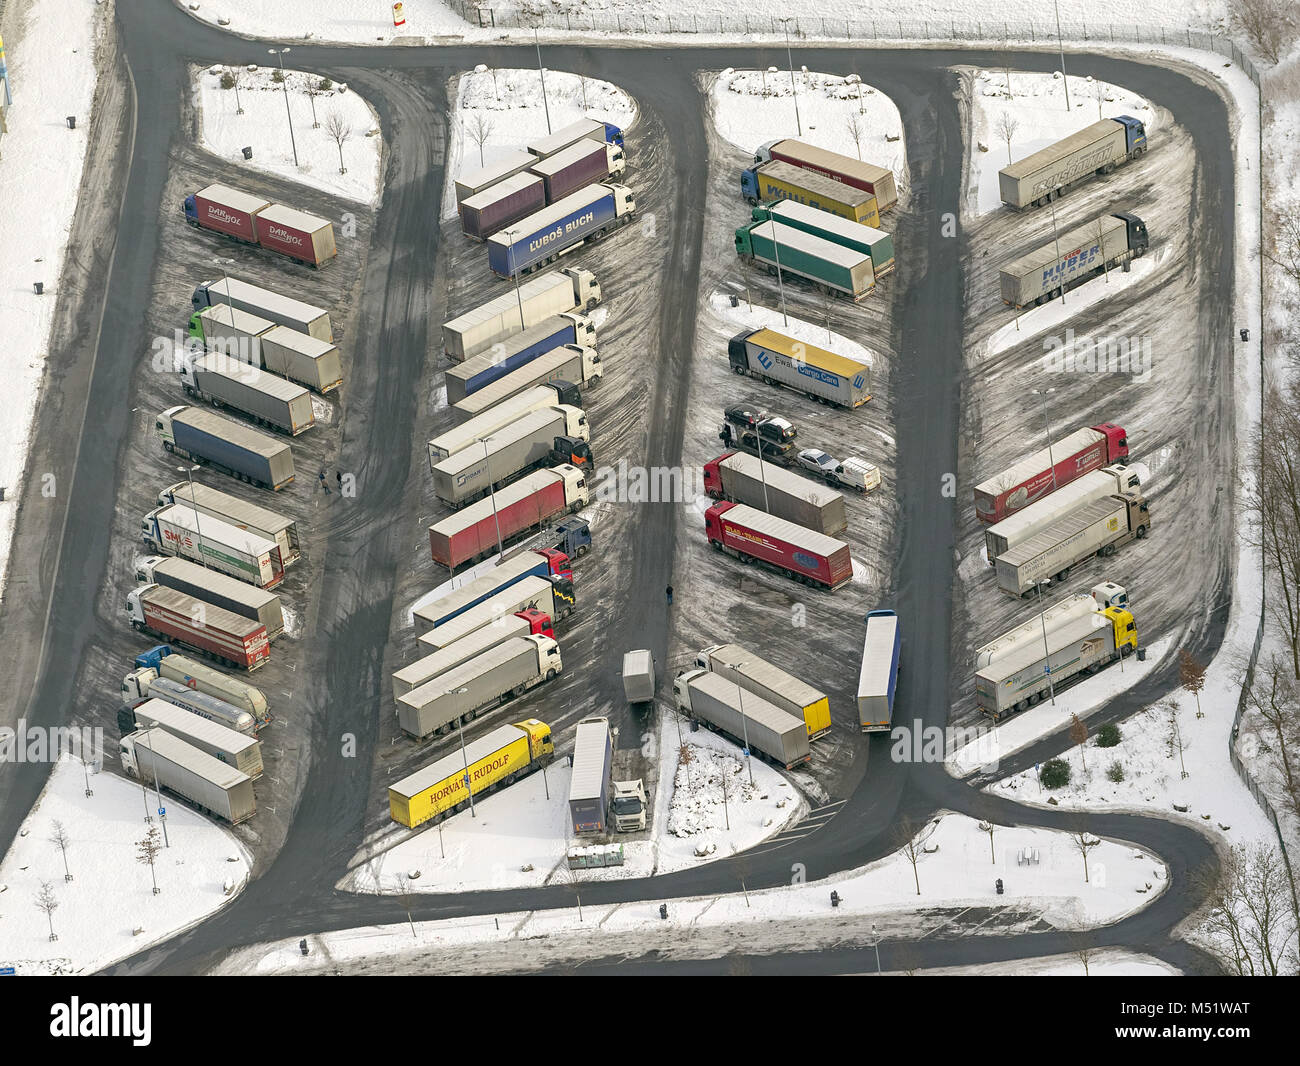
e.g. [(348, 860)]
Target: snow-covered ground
[(512, 112), (108, 910), (751, 107), (1037, 113), (753, 316), (1100, 964), (263, 126), (950, 859), (520, 838), (51, 60)]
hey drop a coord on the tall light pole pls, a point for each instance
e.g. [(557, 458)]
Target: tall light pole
[(492, 495), (762, 473), (280, 52), (744, 725), (876, 937), (1056, 238), (157, 790), (1047, 425), (464, 755), (188, 471), (790, 61), (780, 285), (510, 236), (1047, 651), (541, 73), (1065, 78)]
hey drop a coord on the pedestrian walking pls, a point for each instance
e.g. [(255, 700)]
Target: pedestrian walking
[(321, 475), (669, 591)]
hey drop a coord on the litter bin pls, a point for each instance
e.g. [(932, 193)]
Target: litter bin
[(72, 122), (248, 152)]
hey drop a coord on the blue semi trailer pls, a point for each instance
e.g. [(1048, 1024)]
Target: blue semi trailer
[(499, 360), (234, 449), (545, 235)]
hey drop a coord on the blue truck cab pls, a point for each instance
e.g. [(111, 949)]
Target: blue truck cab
[(191, 210), (572, 536), (613, 135), (1135, 134), (749, 184), (152, 659)]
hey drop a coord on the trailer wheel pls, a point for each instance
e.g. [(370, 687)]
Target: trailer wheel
[(1141, 533), (771, 271), (518, 690)]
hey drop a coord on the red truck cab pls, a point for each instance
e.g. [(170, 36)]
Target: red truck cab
[(557, 562), (539, 622)]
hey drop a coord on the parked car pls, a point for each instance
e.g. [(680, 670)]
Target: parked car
[(856, 474)]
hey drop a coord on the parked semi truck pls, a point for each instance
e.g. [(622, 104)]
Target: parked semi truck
[(501, 757), (210, 630), (838, 230), (243, 453), (737, 477), (1097, 528), (803, 555), (473, 182), (499, 674), (519, 508), (780, 360), (225, 745), (550, 435), (212, 786), (253, 220), (279, 350), (878, 675), (783, 181), (538, 398), (1047, 470), (639, 678), (247, 601), (771, 733), (1062, 613), (577, 166), (501, 205), (590, 129), (570, 365), (1043, 274), (265, 523), (879, 181), (552, 594), (1026, 670), (268, 400), (831, 268), (544, 236), (474, 373), (1097, 149), (560, 291), (164, 663), (140, 685), (180, 530), (272, 306), (527, 622), (1019, 526), (544, 563), (781, 689), (589, 783)]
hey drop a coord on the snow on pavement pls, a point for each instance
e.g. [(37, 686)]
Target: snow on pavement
[(751, 316), (52, 75), (108, 910), (264, 127)]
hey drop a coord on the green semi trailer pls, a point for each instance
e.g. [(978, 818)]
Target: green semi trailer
[(830, 267)]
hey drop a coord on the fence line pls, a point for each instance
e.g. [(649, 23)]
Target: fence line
[(878, 30)]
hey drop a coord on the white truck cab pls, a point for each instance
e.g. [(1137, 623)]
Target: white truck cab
[(629, 805)]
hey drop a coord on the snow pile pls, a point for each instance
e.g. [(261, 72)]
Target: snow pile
[(751, 107), (108, 910), (264, 127), (708, 785), (507, 108), (51, 75), (749, 316), (1038, 115)]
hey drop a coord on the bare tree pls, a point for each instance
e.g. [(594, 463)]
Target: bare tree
[(1269, 25), (1176, 736), (1078, 736), (1275, 697), (989, 827), (60, 839), (1276, 506), (1081, 947), (1191, 674), (1083, 841), (857, 130), (337, 127), (406, 900), (906, 839), (1006, 127), (309, 90), (480, 129), (1284, 250), (1251, 913), (148, 847), (49, 903)]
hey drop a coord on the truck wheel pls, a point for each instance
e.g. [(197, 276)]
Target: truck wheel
[(1141, 533), (1063, 575), (138, 626), (518, 690), (581, 550), (717, 545), (168, 446), (550, 674)]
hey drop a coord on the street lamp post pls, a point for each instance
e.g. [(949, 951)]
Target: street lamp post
[(1047, 425), (492, 495), (541, 73), (157, 789), (1056, 238), (780, 284), (460, 730), (785, 22), (1047, 651), (188, 471), (280, 53), (519, 296), (876, 937), (744, 725), (1065, 78)]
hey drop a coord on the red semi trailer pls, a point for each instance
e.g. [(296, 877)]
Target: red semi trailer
[(1040, 474), (805, 555), (474, 531), (255, 220), (182, 619)]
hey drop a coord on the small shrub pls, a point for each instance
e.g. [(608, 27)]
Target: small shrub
[(325, 85), (1108, 735), (227, 80), (1115, 772), (1055, 773), (277, 76)]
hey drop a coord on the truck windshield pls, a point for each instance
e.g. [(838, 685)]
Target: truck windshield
[(627, 805)]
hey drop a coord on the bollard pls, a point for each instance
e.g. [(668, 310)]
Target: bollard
[(663, 910), (735, 300), (999, 886), (248, 152), (1245, 335), (72, 122), (835, 899), (39, 286), (302, 946)]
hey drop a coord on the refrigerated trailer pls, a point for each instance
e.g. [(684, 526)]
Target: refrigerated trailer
[(272, 306), (753, 536), (838, 230), (783, 181), (499, 674), (1045, 471), (878, 675), (737, 477), (501, 205), (781, 689), (211, 630), (724, 707), (551, 594), (593, 762), (302, 358), (570, 365), (265, 523), (568, 289), (780, 360), (576, 166), (1097, 149), (1082, 253), (211, 785), (438, 661), (879, 181), (483, 369), (503, 414), (180, 530), (208, 585), (831, 268), (207, 438), (544, 563), (225, 745), (267, 399)]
